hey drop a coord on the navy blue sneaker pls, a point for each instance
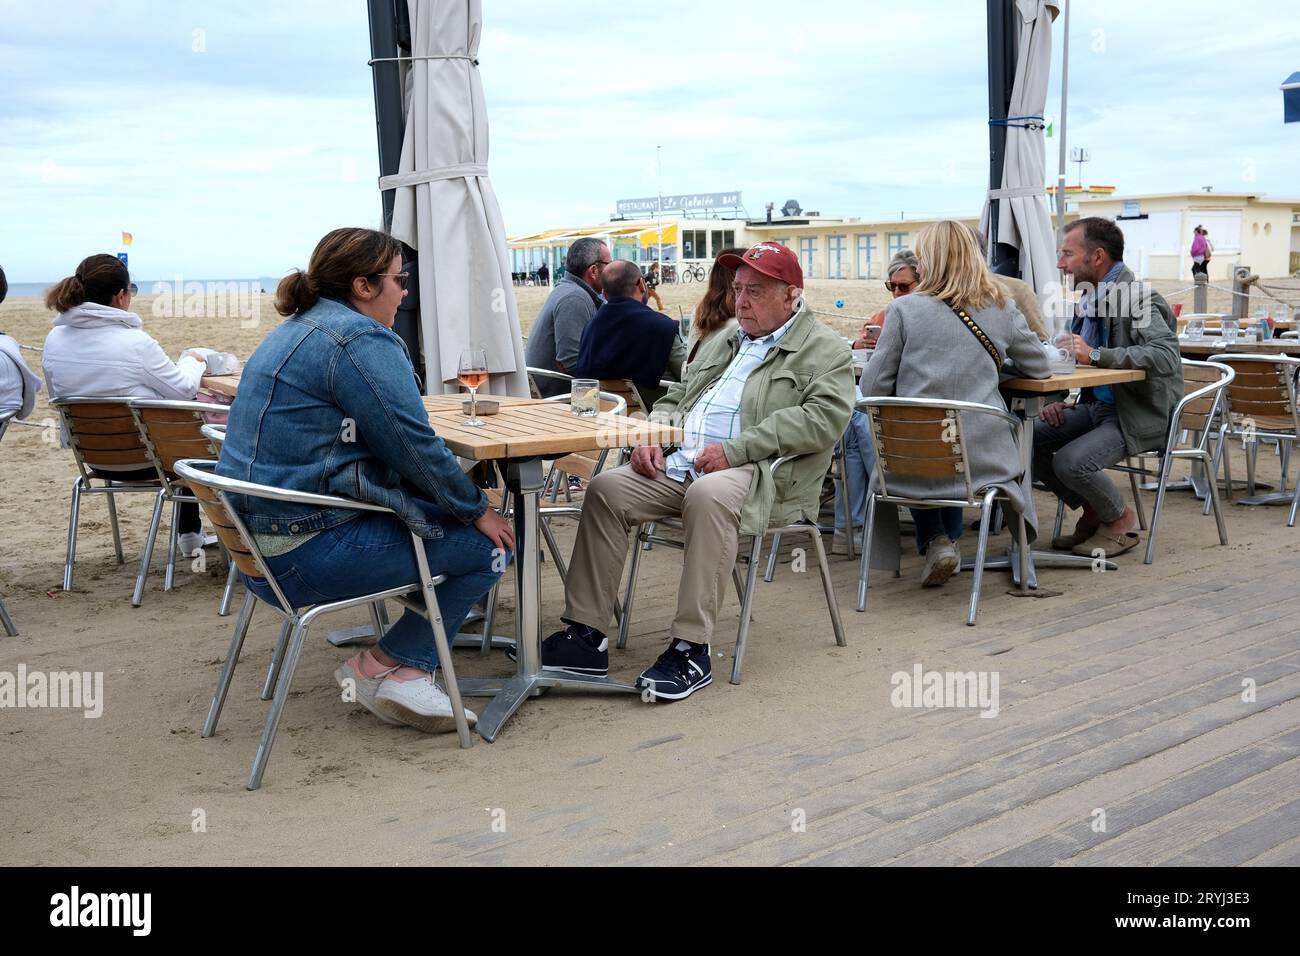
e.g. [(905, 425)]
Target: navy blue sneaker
[(568, 653), (680, 671)]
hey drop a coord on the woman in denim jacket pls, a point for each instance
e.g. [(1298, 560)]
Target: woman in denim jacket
[(329, 403)]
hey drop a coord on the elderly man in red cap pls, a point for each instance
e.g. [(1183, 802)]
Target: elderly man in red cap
[(781, 385)]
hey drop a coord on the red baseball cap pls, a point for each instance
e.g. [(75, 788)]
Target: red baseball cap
[(771, 259)]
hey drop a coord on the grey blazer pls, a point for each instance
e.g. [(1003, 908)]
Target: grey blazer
[(926, 351)]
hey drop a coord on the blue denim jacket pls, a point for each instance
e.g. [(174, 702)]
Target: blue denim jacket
[(328, 403)]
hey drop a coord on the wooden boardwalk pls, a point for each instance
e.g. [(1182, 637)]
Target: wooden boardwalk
[(1124, 734)]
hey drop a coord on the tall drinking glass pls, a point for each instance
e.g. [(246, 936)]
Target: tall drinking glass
[(473, 373)]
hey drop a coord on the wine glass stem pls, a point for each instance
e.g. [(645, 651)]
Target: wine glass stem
[(473, 404)]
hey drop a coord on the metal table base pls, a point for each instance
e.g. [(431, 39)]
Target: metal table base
[(524, 481)]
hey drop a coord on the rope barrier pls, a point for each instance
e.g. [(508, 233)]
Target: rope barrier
[(841, 315)]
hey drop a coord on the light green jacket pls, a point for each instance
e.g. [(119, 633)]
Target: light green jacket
[(796, 402)]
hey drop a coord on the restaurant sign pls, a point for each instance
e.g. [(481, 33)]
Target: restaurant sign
[(684, 202)]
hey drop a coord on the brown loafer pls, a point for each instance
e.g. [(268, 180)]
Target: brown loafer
[(1111, 545), (1081, 533)]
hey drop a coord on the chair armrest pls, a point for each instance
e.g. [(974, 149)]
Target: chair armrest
[(185, 468)]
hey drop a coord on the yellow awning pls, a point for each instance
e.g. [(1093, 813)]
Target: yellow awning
[(650, 237)]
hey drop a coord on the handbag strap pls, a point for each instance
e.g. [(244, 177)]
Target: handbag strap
[(976, 331)]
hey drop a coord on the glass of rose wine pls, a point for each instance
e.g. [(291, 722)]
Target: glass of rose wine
[(473, 373)]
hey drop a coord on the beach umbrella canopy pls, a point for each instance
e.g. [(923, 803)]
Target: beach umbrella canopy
[(1023, 219), (445, 207)]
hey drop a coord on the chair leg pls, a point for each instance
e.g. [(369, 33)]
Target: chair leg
[(489, 619), (1137, 496), (832, 605), (1060, 518), (738, 583), (1022, 547), (980, 553), (377, 619), (73, 519), (1284, 449), (554, 548), (117, 532), (1213, 502), (771, 559), (7, 621), (625, 622), (1252, 454), (1295, 505), (441, 643), (224, 608), (169, 576), (746, 604), (1165, 462), (864, 565), (147, 557), (228, 668), (277, 705), (277, 659), (1226, 453)]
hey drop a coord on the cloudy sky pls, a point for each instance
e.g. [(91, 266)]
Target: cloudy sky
[(229, 136)]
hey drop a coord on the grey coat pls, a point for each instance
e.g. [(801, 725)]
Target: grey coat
[(925, 351), (555, 336), (1140, 333)]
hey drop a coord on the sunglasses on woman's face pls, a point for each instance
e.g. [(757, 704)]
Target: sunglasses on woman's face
[(901, 287), (401, 277)]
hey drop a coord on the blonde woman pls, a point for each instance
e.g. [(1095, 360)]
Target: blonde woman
[(927, 351)]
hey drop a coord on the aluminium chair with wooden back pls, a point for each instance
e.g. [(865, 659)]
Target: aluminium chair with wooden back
[(645, 534), (1261, 403), (172, 430), (926, 438), (103, 436), (213, 493)]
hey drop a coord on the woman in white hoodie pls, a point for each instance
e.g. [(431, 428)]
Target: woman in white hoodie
[(98, 348)]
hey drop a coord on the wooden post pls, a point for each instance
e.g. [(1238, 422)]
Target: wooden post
[(1200, 295), (1242, 280)]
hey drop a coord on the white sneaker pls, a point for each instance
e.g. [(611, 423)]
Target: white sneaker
[(941, 561), (421, 703), (357, 688), (189, 542)]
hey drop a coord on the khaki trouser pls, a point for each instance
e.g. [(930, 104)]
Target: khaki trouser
[(619, 500)]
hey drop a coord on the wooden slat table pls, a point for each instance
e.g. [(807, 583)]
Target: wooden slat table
[(226, 385), (523, 432), (1028, 393), (517, 438), (1082, 377), (1217, 345)]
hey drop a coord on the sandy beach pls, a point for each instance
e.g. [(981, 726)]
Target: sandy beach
[(572, 779)]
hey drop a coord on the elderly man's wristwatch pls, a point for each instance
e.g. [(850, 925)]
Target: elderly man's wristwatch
[(1094, 356)]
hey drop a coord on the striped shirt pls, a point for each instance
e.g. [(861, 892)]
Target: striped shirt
[(715, 417)]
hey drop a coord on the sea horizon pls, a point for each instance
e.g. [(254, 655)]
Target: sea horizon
[(29, 290)]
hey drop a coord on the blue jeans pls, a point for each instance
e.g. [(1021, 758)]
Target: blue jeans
[(373, 552), (859, 460), (935, 521)]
